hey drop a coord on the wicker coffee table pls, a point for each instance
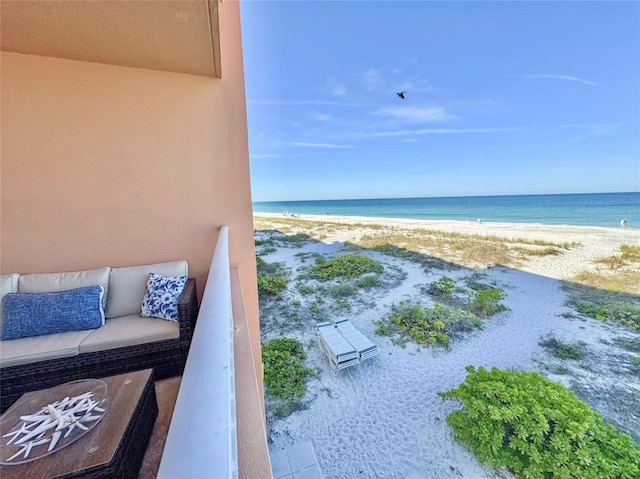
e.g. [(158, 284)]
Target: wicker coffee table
[(114, 448)]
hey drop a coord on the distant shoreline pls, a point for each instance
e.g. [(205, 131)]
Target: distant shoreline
[(598, 209), (463, 226)]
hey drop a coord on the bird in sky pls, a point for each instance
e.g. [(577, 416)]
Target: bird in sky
[(401, 94)]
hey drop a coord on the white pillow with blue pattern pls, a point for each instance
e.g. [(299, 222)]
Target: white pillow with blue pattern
[(161, 296)]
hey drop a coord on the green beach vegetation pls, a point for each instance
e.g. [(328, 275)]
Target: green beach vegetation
[(346, 267), (425, 326), (629, 344), (623, 313), (635, 364), (438, 324), (564, 350), (271, 279), (271, 285), (285, 375), (442, 288), (607, 306), (485, 301), (537, 429)]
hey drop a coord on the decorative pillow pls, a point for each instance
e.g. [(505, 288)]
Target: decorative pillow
[(161, 297), (127, 285), (8, 284), (37, 314)]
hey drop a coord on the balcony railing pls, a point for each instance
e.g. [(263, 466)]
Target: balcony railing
[(202, 439)]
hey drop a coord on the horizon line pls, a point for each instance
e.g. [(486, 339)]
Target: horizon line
[(454, 196)]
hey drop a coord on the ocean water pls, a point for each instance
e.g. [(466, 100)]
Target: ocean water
[(594, 209)]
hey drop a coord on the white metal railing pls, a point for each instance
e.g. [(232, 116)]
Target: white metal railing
[(202, 438)]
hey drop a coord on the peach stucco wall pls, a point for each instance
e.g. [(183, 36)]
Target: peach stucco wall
[(108, 165)]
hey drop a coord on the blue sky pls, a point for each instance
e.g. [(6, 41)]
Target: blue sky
[(501, 98)]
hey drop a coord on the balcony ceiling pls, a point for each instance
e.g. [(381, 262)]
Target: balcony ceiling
[(173, 35)]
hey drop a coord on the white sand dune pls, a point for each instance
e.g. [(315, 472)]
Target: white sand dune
[(384, 418)]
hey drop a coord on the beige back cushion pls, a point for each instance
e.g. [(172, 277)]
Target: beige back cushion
[(127, 285), (51, 282), (8, 284)]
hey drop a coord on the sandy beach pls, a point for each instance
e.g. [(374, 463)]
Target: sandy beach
[(384, 419)]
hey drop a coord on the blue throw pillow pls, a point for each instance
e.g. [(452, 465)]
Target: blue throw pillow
[(36, 314), (161, 297)]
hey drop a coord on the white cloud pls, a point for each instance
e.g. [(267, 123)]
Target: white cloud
[(264, 156), (416, 86), (414, 113), (338, 90), (300, 102), (444, 131), (567, 77), (320, 145), (372, 79), (317, 116), (410, 140)]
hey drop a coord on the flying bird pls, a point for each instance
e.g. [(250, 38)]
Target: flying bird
[(401, 94)]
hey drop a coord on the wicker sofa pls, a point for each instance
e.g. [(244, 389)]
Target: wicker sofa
[(126, 342)]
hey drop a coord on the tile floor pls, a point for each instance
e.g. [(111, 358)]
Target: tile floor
[(296, 462), (166, 394)]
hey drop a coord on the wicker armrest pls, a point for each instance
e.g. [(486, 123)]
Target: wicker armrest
[(188, 311)]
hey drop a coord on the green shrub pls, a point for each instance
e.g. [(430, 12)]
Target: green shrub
[(269, 269), (348, 266), (305, 288), (629, 344), (537, 428), (297, 240), (271, 285), (425, 326), (562, 350), (485, 302), (284, 373), (342, 290), (623, 313), (635, 363), (443, 287), (343, 305), (368, 282), (613, 261), (630, 252)]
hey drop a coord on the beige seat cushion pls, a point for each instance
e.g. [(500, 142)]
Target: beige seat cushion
[(40, 348), (129, 331), (127, 285), (52, 282), (8, 284)]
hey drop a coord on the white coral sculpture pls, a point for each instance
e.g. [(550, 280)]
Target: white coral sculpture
[(49, 424)]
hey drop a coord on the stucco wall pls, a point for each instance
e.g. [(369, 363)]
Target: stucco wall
[(107, 165)]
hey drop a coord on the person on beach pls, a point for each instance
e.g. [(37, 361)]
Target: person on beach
[(623, 223)]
